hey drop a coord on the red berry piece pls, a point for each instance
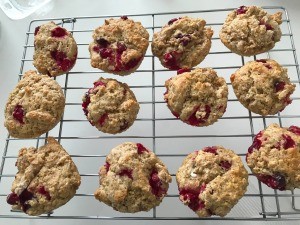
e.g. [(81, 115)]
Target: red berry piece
[(25, 207), (19, 114), (192, 196), (86, 103), (194, 121), (241, 10), (268, 26), (276, 181), (268, 66), (294, 129), (212, 150), (105, 52), (96, 49), (261, 60), (36, 30), (103, 43), (288, 142), (183, 70), (156, 184), (12, 199), (124, 17), (23, 198), (107, 166), (264, 61), (256, 143), (121, 47), (140, 148), (132, 63), (225, 165), (170, 60), (185, 40), (173, 20), (99, 83), (118, 62), (43, 191), (58, 32), (279, 86), (102, 119), (287, 101), (126, 172), (62, 61)]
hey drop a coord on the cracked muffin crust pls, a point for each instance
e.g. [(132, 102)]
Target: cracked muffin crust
[(133, 179), (183, 43), (274, 157), (47, 178), (34, 107), (197, 97), (119, 46), (110, 106), (249, 30), (262, 86), (211, 181), (55, 50)]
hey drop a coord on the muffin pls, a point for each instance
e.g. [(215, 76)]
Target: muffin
[(183, 43), (133, 179), (47, 178), (198, 98), (274, 157), (110, 106), (262, 86), (250, 30), (55, 50), (211, 181), (34, 107), (119, 46)]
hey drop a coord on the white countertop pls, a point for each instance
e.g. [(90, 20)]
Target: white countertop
[(12, 39)]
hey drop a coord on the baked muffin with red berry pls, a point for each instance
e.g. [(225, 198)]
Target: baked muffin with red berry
[(47, 178), (34, 107), (263, 86), (250, 30), (110, 106), (198, 97), (274, 157), (183, 43), (133, 179), (211, 181), (119, 46), (55, 50)]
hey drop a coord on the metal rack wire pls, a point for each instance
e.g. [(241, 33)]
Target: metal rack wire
[(148, 128)]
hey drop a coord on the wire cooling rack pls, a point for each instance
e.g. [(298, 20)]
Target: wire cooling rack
[(155, 127)]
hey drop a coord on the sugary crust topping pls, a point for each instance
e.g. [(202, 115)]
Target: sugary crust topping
[(133, 179), (110, 106), (198, 98), (119, 46), (263, 86), (211, 181), (34, 107), (47, 178), (276, 153), (251, 30), (183, 43), (55, 50)]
